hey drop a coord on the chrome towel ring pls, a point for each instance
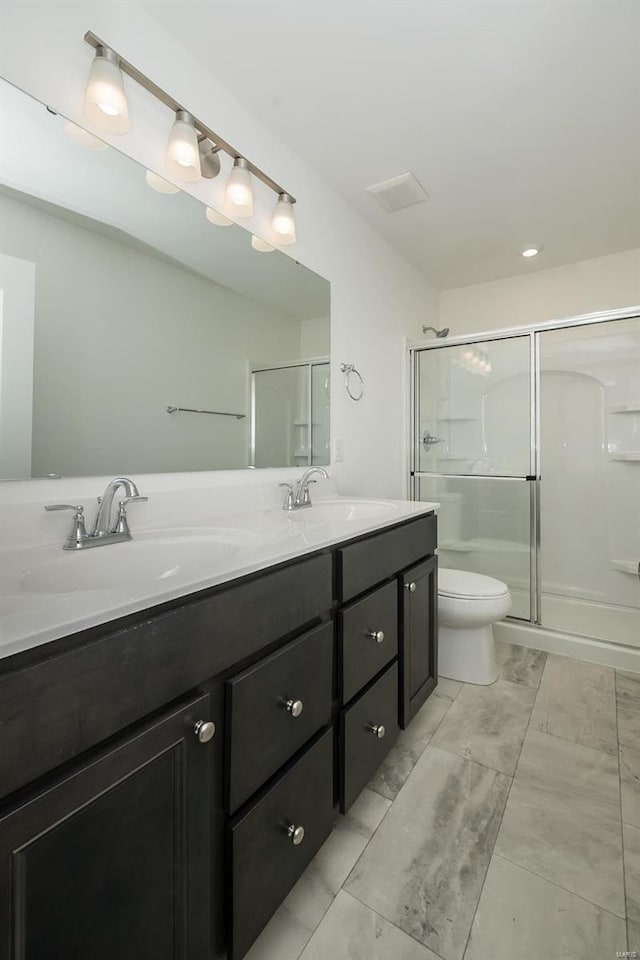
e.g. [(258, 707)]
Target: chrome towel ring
[(348, 369)]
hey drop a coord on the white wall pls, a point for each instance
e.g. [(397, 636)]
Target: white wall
[(111, 356), (375, 293), (604, 283)]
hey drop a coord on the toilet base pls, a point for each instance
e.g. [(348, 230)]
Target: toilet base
[(467, 654)]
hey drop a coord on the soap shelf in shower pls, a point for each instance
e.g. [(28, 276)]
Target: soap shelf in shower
[(625, 408), (629, 457)]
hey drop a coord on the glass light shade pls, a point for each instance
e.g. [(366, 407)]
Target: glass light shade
[(105, 102), (218, 218), (283, 221), (159, 183), (238, 197), (261, 245), (83, 137), (183, 156)]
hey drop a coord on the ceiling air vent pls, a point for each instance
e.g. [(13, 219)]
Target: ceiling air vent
[(399, 192)]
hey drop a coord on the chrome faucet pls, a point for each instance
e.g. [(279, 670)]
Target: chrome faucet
[(298, 497), (105, 530)]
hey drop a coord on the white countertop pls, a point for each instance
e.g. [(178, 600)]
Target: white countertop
[(165, 563)]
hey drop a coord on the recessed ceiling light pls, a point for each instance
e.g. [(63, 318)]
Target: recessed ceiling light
[(530, 252)]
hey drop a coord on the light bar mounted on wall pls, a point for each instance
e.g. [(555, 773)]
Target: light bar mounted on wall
[(204, 132)]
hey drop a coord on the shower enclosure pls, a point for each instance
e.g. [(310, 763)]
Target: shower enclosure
[(290, 414), (530, 440)]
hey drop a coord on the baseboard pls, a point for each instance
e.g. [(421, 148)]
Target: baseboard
[(616, 655)]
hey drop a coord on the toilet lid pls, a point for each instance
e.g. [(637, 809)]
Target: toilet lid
[(461, 583)]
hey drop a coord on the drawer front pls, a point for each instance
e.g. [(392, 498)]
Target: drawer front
[(362, 751), (274, 707), (368, 638), (265, 862), (364, 564)]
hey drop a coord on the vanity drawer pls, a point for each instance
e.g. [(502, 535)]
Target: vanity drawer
[(362, 652), (368, 562), (363, 750), (264, 726), (265, 861)]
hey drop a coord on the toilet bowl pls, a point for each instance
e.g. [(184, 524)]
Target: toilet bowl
[(468, 606)]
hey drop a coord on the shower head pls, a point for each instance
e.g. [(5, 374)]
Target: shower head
[(439, 333)]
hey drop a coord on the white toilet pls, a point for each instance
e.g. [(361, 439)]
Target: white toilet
[(468, 606)]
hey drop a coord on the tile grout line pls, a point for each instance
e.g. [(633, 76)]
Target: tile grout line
[(558, 886), (391, 803), (624, 871), (577, 743), (389, 808), (333, 899), (493, 854), (431, 736), (395, 925)]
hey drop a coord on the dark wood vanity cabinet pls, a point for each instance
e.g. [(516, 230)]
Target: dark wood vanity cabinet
[(112, 858), (123, 833), (418, 602)]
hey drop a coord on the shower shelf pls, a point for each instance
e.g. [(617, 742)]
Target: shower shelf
[(458, 419), (625, 408), (628, 457), (625, 566)]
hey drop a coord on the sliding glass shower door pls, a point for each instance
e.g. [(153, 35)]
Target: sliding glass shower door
[(531, 444), (590, 491), (474, 453)]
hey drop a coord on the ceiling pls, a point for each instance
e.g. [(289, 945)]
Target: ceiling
[(520, 118)]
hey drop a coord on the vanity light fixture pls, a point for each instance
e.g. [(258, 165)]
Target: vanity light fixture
[(261, 245), (238, 197), (218, 218), (105, 102), (283, 221), (83, 137), (529, 252), (159, 183), (183, 155), (193, 146)]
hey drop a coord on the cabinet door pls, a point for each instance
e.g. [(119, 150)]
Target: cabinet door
[(419, 637), (113, 859)]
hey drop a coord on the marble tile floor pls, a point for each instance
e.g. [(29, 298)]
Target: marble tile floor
[(503, 825)]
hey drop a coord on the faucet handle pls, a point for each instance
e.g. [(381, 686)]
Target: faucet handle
[(122, 523), (289, 499), (78, 534), (306, 496)]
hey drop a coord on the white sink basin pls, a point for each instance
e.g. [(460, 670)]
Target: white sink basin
[(346, 510), (153, 557)]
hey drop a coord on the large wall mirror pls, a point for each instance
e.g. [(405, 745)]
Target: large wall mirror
[(123, 310)]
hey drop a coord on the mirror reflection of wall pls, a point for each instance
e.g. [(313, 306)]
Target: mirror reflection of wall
[(138, 302)]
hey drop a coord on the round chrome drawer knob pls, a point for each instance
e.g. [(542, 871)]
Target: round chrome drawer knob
[(296, 835), (377, 635), (295, 708), (378, 729), (204, 730), (411, 587)]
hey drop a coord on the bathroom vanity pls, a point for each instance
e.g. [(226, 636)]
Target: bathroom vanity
[(167, 775)]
